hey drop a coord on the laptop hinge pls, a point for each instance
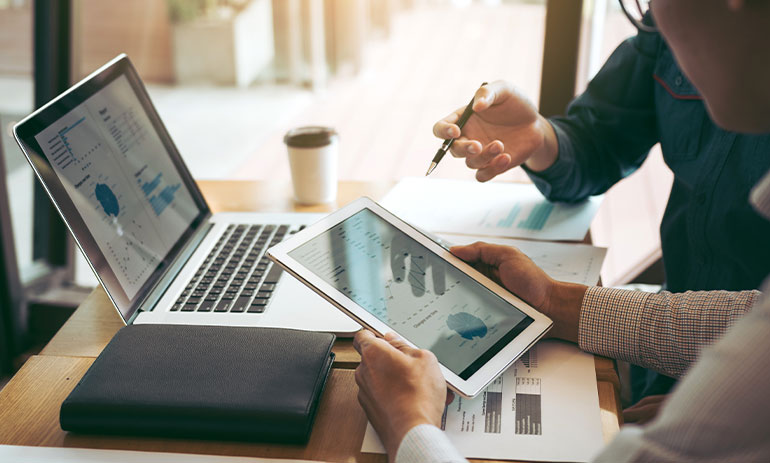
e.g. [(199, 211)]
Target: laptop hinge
[(157, 292)]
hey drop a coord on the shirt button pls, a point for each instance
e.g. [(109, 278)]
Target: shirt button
[(701, 198), (678, 81)]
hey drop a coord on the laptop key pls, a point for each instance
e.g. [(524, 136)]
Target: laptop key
[(274, 274), (258, 306), (206, 305), (240, 304), (176, 307), (223, 306), (267, 287), (189, 307)]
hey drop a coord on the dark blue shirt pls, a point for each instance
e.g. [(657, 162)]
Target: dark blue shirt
[(710, 235)]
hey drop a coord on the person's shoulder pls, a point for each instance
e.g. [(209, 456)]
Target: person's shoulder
[(649, 44)]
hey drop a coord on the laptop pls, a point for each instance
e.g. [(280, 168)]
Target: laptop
[(111, 169)]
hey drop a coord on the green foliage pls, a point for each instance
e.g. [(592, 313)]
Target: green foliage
[(187, 10)]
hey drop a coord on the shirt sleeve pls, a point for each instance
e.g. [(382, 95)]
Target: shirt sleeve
[(609, 129), (427, 444), (663, 331), (718, 412)]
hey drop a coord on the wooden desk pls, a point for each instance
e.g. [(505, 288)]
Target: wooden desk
[(29, 404)]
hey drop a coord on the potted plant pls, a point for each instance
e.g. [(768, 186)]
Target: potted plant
[(224, 42)]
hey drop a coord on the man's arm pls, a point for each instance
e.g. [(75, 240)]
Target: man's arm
[(719, 411), (608, 130), (427, 444), (664, 331)]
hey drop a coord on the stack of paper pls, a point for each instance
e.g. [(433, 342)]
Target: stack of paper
[(511, 210), (575, 263), (544, 408)]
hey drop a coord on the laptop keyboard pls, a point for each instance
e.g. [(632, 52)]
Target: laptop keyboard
[(236, 276)]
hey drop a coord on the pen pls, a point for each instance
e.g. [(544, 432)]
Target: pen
[(448, 142)]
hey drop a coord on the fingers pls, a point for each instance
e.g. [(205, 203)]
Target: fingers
[(491, 94), (399, 343), (450, 397), (447, 127), (645, 410), (497, 166), (485, 155), (365, 339), (463, 147), (486, 96), (490, 254), (491, 162), (640, 415)]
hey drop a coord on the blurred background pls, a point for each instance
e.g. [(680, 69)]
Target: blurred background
[(230, 77)]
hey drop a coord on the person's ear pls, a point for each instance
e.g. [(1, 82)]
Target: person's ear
[(735, 5)]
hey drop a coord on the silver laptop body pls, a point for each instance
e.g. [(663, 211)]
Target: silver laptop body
[(114, 174)]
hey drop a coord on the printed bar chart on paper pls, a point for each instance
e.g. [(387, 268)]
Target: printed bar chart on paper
[(511, 210), (528, 412)]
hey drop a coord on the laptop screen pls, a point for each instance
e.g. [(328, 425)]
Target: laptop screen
[(119, 181)]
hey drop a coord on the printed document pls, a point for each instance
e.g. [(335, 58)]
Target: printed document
[(544, 408), (510, 210), (571, 262)]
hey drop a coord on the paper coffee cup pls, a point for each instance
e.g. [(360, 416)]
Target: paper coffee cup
[(313, 162)]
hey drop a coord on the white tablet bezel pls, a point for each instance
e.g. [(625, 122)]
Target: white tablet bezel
[(487, 372)]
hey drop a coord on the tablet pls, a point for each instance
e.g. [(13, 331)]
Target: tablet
[(389, 276)]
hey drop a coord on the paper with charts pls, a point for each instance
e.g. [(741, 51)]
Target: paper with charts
[(114, 167), (571, 262), (544, 408), (512, 210)]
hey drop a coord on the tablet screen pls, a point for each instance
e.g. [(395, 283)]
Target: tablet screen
[(412, 290)]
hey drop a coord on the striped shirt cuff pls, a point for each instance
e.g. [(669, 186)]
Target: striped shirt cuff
[(663, 331), (609, 322), (426, 443)]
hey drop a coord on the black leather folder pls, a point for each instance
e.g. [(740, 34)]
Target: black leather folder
[(213, 382)]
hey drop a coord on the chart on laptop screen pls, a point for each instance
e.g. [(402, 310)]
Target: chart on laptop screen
[(121, 179)]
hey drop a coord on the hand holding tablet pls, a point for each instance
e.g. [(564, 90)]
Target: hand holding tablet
[(392, 278)]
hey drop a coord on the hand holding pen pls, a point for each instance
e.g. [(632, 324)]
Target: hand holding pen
[(505, 131), (449, 141)]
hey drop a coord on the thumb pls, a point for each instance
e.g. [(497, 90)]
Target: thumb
[(399, 343), (468, 252), (491, 94), (486, 253)]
